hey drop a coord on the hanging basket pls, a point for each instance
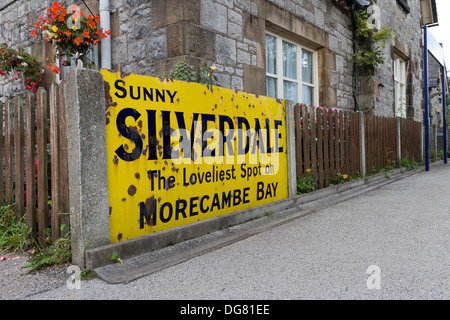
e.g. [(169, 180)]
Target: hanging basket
[(82, 48)]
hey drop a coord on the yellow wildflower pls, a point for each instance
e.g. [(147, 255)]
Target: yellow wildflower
[(345, 176), (213, 68), (308, 170), (54, 28)]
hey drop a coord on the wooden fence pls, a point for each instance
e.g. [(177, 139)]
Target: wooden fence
[(328, 143), (33, 151), (410, 140), (380, 142)]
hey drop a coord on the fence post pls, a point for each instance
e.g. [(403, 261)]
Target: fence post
[(88, 174), (362, 145), (399, 141), (2, 179), (291, 148)]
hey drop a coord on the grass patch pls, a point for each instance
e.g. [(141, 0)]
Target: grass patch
[(15, 237), (51, 253)]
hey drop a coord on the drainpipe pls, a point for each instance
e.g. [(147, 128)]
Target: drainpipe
[(105, 23), (361, 4), (355, 68)]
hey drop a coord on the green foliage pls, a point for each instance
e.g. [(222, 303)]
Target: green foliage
[(185, 72), (306, 183), (50, 253), (14, 235), (372, 56), (405, 163), (115, 258), (21, 66), (339, 178)]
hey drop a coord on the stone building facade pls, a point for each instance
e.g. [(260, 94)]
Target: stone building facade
[(151, 36)]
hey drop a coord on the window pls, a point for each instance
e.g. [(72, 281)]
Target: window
[(291, 71), (400, 87), (404, 5)]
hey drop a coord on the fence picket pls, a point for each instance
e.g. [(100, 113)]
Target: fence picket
[(312, 121), (320, 148), (30, 164), (326, 138), (41, 142), (2, 155), (306, 138), (19, 156), (54, 160), (9, 175), (64, 164), (298, 137), (347, 142), (332, 141)]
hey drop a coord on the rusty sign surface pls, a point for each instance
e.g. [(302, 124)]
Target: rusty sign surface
[(183, 152)]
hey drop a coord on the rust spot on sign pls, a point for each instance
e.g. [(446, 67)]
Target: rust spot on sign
[(108, 98), (132, 190)]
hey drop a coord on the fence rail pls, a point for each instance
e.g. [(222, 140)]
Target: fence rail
[(33, 150)]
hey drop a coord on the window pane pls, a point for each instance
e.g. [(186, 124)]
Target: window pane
[(271, 54), (308, 95), (271, 85), (289, 60), (290, 91), (307, 66)]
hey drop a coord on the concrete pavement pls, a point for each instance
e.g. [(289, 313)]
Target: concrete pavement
[(388, 242)]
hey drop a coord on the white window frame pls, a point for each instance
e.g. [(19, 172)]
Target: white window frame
[(400, 67), (280, 78)]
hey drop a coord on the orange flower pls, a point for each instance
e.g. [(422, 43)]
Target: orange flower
[(91, 24), (56, 7), (97, 19), (34, 34), (78, 41), (105, 34), (54, 69), (67, 33), (87, 34), (62, 16)]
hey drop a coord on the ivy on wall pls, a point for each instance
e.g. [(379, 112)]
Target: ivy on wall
[(372, 42)]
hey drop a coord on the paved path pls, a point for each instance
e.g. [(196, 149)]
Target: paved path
[(402, 230)]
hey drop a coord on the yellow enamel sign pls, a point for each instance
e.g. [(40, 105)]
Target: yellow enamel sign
[(183, 152)]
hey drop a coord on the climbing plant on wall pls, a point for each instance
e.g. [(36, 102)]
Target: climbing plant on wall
[(372, 43)]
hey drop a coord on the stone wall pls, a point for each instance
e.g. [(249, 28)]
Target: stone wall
[(151, 36), (407, 44), (17, 18)]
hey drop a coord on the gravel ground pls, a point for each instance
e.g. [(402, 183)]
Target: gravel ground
[(17, 281)]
